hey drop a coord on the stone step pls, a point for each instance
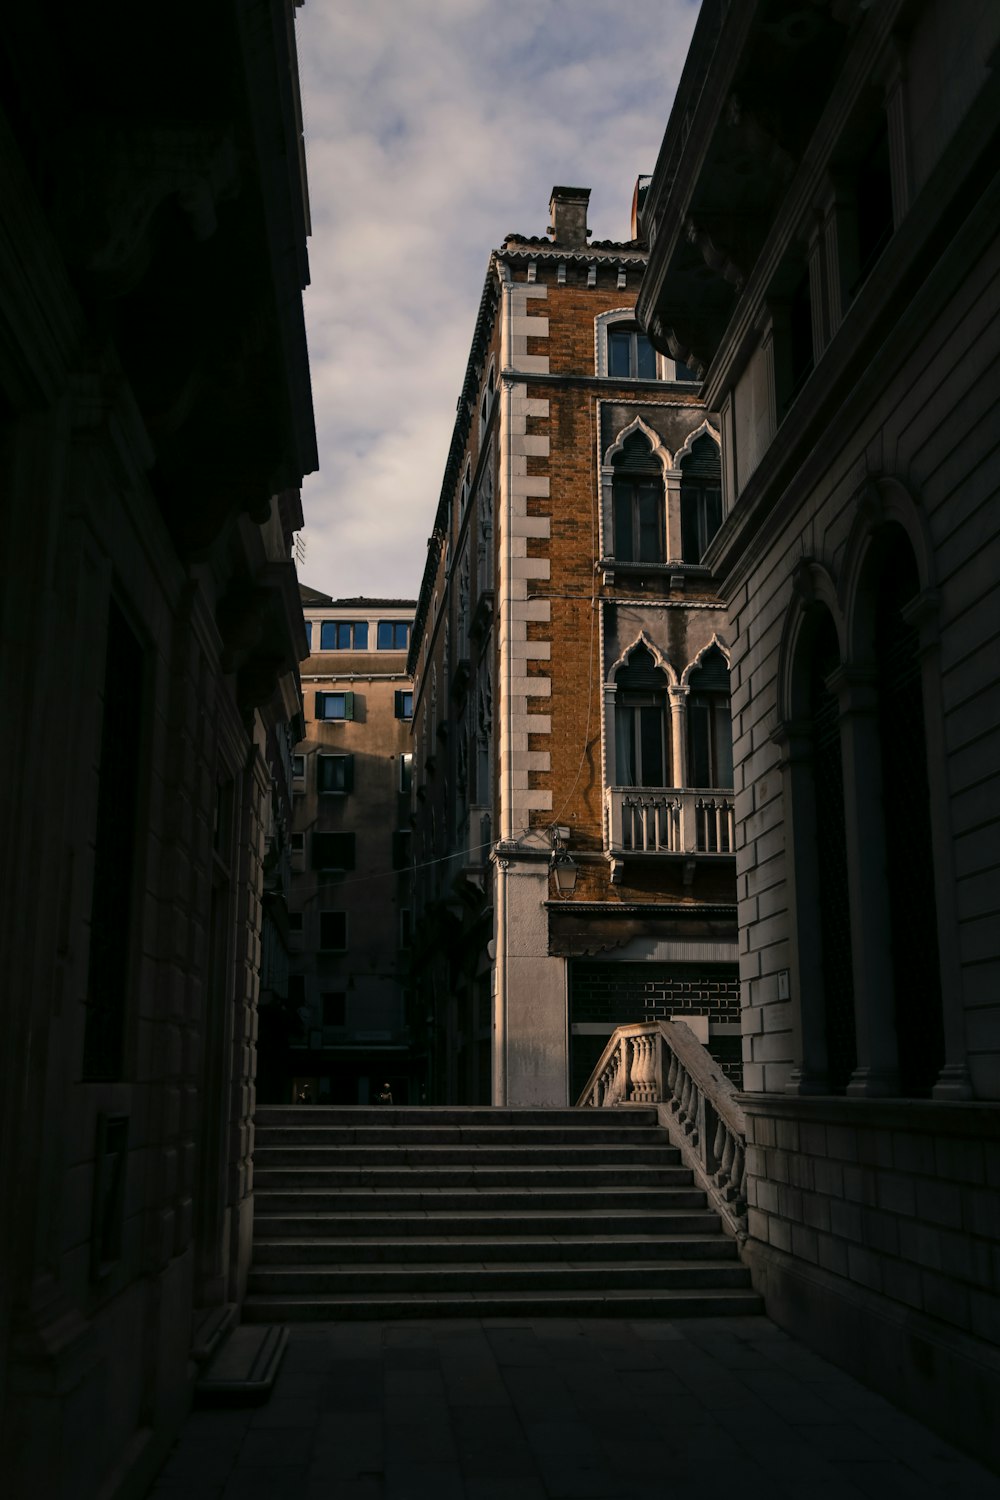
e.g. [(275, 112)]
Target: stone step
[(371, 1250), (560, 1276), (628, 1117), (442, 1135), (532, 1275), (512, 1175), (377, 1225), (404, 1155), (497, 1200), (674, 1302)]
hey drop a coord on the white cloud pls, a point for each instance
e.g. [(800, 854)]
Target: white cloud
[(434, 128)]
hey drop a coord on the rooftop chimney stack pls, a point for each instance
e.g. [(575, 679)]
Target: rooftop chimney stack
[(638, 202), (568, 213)]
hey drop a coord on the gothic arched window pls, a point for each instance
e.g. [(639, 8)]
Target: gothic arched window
[(709, 724), (637, 500), (701, 497), (642, 739)]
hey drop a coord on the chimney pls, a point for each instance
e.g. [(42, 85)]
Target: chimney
[(568, 212), (638, 201)]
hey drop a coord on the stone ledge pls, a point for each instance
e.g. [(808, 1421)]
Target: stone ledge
[(975, 1118)]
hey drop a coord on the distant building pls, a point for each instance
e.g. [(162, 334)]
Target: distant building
[(350, 909), (155, 424), (827, 258), (571, 695)]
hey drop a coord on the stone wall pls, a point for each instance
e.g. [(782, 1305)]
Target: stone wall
[(874, 1231)]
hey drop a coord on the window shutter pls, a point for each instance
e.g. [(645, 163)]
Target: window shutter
[(348, 705), (713, 674), (318, 706), (348, 773)]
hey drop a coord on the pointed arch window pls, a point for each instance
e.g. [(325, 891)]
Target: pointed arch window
[(642, 740), (709, 724), (637, 502), (701, 497)]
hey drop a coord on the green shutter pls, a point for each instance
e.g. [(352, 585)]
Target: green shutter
[(318, 706), (348, 705)]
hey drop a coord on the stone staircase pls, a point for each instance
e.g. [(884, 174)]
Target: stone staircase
[(477, 1212)]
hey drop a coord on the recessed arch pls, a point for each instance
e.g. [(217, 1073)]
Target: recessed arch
[(813, 588), (884, 507)]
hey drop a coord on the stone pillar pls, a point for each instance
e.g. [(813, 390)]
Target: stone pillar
[(809, 1070), (877, 1072), (678, 739)]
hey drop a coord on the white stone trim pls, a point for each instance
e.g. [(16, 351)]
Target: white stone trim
[(693, 666), (642, 639), (687, 446)]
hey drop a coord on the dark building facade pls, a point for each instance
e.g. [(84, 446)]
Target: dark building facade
[(155, 423), (826, 258)]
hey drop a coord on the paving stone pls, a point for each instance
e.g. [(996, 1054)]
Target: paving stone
[(567, 1412)]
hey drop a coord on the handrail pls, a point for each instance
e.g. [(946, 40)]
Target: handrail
[(663, 1063)]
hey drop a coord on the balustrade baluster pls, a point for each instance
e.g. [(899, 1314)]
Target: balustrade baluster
[(719, 1144), (672, 1072), (725, 1173), (636, 1073)]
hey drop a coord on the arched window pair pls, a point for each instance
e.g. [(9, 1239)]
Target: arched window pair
[(648, 753), (639, 510), (868, 977)]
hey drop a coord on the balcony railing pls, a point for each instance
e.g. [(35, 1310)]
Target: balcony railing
[(667, 820), (663, 1063)]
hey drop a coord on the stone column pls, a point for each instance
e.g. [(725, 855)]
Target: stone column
[(808, 1012), (877, 1072)]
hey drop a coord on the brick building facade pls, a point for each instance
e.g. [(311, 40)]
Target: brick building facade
[(829, 263), (350, 905), (571, 683)]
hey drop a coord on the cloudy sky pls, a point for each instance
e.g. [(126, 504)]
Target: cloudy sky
[(433, 129)]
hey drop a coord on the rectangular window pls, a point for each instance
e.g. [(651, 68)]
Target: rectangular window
[(638, 520), (401, 849), (334, 774), (298, 767), (309, 633), (344, 635), (404, 704), (335, 706), (333, 851), (334, 1003), (295, 921), (298, 843), (406, 768), (630, 355), (333, 931), (393, 635), (296, 990), (115, 839)]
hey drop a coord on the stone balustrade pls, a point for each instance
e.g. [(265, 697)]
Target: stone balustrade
[(663, 1063), (666, 820)]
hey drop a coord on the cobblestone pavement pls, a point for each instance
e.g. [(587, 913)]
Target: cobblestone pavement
[(533, 1409)]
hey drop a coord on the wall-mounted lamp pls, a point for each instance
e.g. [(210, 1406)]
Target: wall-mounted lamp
[(562, 864)]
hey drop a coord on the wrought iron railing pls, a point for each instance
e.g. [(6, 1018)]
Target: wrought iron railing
[(666, 820), (663, 1063)]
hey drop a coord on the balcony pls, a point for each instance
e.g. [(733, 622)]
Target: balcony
[(671, 821)]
